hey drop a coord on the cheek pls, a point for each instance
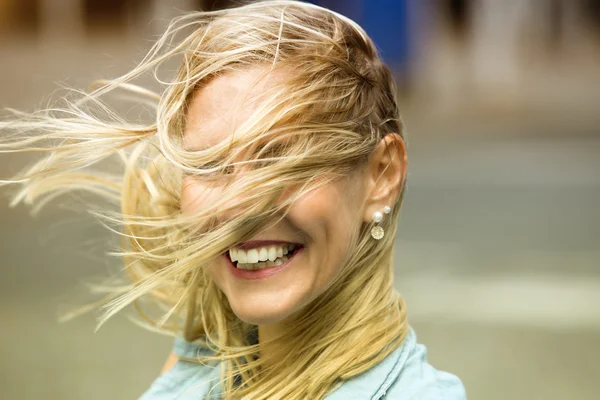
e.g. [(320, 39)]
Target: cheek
[(329, 217), (195, 195), (317, 207)]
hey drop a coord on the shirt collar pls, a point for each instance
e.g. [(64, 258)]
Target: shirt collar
[(373, 383)]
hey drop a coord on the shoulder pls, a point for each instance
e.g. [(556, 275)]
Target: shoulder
[(416, 379), (185, 379), (405, 374)]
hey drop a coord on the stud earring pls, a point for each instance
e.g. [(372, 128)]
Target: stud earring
[(377, 231)]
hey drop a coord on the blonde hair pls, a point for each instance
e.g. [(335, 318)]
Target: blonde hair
[(318, 125)]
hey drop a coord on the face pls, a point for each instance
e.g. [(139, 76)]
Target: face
[(322, 222)]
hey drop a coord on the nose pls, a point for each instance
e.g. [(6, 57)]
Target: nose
[(241, 201), (197, 195)]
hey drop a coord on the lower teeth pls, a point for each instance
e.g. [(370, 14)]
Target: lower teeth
[(264, 264)]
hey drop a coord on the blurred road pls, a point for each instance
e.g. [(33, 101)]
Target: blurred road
[(498, 253)]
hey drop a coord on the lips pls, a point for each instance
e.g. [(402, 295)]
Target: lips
[(289, 255), (251, 244), (264, 272)]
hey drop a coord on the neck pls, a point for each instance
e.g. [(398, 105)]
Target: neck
[(268, 333)]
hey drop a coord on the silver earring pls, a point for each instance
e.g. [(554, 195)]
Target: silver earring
[(377, 231)]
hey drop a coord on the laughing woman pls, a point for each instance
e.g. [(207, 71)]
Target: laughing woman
[(258, 209)]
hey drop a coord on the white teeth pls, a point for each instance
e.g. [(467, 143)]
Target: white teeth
[(252, 256), (260, 254), (261, 265), (263, 254), (272, 253), (261, 257)]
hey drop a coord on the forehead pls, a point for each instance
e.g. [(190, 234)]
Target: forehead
[(225, 103)]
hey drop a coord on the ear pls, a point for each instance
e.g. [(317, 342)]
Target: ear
[(385, 175)]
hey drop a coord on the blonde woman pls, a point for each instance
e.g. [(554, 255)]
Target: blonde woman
[(258, 210)]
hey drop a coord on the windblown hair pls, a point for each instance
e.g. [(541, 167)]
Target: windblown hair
[(319, 125)]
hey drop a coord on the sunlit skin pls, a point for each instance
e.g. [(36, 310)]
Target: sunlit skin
[(322, 221)]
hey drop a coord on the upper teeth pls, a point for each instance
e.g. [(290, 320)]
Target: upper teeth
[(259, 254)]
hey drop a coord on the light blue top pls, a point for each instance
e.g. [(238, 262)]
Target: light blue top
[(404, 374)]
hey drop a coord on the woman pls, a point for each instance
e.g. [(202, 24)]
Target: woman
[(258, 209)]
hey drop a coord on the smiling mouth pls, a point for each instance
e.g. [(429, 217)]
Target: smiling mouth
[(266, 264)]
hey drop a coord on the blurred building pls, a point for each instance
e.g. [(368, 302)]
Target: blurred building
[(497, 51), (501, 51)]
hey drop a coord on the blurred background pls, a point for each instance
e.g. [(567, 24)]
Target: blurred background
[(498, 253)]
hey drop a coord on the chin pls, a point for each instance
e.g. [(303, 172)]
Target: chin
[(267, 301), (261, 313)]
